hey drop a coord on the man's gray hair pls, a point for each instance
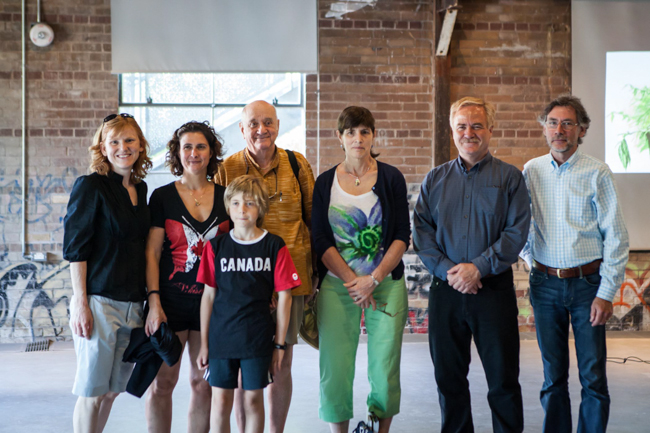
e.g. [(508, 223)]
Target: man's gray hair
[(490, 111), (568, 101)]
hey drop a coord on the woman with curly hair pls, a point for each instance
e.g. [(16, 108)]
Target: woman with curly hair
[(106, 227), (360, 225), (185, 215)]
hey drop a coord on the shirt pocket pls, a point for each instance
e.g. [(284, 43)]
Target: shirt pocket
[(492, 200), (289, 207)]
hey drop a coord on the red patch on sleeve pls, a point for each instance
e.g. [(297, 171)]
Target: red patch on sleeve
[(286, 276)]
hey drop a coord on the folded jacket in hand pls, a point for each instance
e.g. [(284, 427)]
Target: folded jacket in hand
[(148, 353)]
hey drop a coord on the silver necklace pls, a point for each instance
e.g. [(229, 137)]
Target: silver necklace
[(357, 179)]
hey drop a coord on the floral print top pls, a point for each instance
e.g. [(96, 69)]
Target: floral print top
[(356, 223)]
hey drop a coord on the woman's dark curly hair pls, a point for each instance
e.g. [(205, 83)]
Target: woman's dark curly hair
[(173, 160)]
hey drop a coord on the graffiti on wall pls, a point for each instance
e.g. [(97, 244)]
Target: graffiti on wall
[(40, 188), (632, 301), (33, 308), (418, 320), (418, 282)]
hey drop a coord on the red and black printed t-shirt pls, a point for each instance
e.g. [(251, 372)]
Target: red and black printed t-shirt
[(245, 274), (185, 238)]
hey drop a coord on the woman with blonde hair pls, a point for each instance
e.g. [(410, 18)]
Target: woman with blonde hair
[(104, 240)]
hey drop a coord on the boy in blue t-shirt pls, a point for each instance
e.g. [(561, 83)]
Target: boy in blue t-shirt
[(241, 270)]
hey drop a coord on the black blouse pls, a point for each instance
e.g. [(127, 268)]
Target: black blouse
[(104, 229)]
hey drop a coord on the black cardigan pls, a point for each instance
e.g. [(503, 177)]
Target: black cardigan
[(391, 190)]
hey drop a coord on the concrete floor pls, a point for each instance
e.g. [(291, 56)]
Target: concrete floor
[(35, 391)]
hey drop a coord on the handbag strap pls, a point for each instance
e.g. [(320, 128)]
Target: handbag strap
[(361, 428)]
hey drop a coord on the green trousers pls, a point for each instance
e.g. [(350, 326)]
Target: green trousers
[(339, 327)]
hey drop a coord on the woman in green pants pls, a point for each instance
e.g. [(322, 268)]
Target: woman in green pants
[(360, 225)]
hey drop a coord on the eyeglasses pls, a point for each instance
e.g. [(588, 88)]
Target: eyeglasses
[(566, 125), (275, 171), (113, 116), (276, 193)]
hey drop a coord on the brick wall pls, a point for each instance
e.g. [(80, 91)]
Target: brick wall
[(69, 90), (515, 54), (378, 57)]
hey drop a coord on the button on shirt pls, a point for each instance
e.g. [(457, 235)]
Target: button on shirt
[(480, 216), (576, 218)]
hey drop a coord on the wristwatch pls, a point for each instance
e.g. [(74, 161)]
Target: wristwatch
[(280, 346)]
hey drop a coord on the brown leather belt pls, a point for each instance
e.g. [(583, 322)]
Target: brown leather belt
[(578, 271)]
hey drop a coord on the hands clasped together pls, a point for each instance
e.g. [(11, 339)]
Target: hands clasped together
[(465, 277), (360, 290)]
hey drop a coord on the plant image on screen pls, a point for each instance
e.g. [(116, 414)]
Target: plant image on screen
[(639, 120), (627, 111)]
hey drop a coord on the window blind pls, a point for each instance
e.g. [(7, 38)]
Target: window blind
[(214, 36)]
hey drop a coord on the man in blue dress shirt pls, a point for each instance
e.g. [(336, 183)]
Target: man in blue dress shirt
[(577, 250), (470, 223)]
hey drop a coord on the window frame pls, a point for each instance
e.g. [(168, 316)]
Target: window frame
[(213, 106)]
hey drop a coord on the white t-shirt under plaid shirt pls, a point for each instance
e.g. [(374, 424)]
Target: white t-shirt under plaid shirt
[(576, 218)]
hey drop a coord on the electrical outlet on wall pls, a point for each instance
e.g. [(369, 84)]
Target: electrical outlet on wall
[(39, 257)]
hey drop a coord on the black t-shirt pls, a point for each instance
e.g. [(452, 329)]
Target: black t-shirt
[(245, 275), (105, 230), (185, 238)]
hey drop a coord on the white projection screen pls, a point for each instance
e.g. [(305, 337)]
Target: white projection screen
[(611, 74), (214, 36)]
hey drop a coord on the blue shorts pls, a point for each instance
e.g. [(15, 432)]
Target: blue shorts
[(224, 373)]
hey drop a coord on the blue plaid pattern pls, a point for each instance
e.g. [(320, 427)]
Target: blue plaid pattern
[(576, 218)]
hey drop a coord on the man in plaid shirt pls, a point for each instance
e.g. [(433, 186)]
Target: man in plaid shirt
[(577, 250)]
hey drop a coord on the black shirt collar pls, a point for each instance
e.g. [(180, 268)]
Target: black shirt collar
[(115, 177)]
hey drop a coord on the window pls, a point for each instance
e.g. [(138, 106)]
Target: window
[(163, 102)]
